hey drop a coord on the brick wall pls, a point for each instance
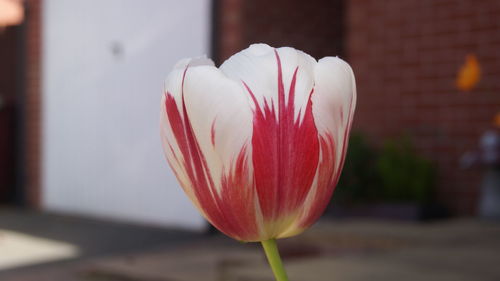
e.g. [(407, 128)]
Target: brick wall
[(406, 55), (228, 28), (313, 26), (9, 88), (32, 103)]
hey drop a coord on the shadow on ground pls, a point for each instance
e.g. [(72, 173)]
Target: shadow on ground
[(347, 250), (92, 237)]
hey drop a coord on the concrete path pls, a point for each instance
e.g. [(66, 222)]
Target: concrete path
[(41, 239), (455, 250)]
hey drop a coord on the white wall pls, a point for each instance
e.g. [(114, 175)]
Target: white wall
[(101, 146)]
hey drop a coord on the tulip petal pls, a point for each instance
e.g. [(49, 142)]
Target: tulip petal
[(334, 101), (216, 120), (171, 125), (257, 67), (285, 141)]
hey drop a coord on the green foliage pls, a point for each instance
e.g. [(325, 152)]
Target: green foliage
[(358, 177), (395, 173), (404, 175)]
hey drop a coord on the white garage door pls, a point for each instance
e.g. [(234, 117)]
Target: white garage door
[(104, 63)]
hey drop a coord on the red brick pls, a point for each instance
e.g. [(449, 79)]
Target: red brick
[(419, 46)]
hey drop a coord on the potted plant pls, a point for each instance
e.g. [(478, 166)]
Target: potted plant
[(393, 182)]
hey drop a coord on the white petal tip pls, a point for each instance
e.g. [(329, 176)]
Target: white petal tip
[(259, 49), (335, 60), (191, 62), (171, 83)]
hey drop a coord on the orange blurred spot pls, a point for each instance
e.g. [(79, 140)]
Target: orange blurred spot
[(496, 120), (11, 12), (469, 74)]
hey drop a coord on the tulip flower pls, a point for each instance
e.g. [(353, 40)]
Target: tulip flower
[(258, 144)]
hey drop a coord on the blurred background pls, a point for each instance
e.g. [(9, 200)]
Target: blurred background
[(85, 192)]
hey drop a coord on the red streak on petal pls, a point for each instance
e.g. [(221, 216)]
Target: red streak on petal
[(325, 181), (173, 153), (232, 210), (212, 133), (285, 151), (238, 197), (328, 176)]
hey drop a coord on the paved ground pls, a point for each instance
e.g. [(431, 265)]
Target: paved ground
[(92, 238), (349, 250)]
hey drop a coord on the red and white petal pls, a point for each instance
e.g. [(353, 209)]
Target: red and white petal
[(320, 194), (171, 149), (173, 82), (334, 101), (292, 60), (210, 127), (285, 148), (172, 98), (221, 117), (256, 66)]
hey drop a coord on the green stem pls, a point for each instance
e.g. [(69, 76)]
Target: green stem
[(273, 257)]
